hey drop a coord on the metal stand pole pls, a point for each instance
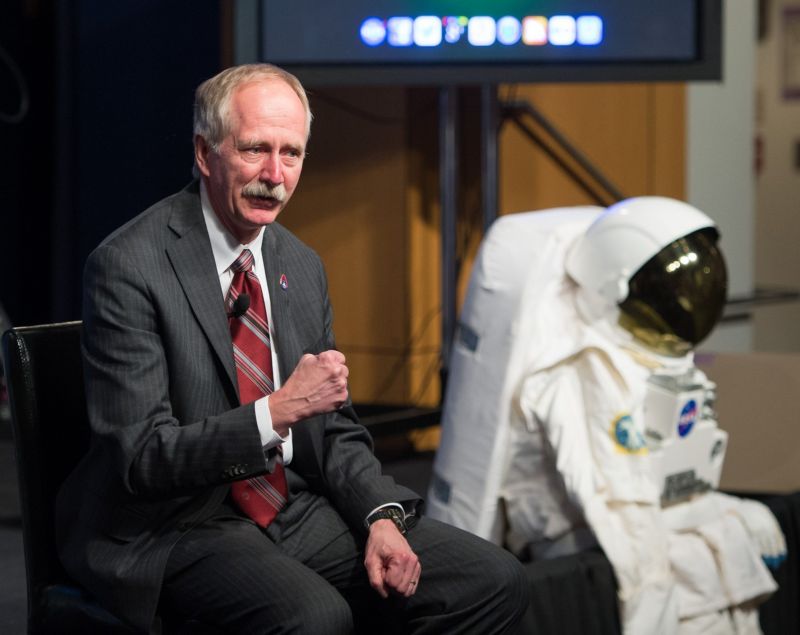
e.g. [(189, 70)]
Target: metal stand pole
[(448, 196), (489, 163)]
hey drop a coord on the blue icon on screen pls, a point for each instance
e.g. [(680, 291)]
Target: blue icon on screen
[(589, 30), (373, 31), (561, 30), (481, 30), (427, 30), (509, 30), (400, 31)]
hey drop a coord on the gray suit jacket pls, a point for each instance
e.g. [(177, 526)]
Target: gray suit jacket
[(168, 431)]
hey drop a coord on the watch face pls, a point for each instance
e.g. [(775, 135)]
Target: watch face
[(397, 518)]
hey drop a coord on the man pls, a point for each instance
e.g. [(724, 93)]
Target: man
[(165, 519)]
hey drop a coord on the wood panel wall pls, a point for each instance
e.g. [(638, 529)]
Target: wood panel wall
[(368, 203)]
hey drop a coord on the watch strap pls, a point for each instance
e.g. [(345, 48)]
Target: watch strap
[(393, 513)]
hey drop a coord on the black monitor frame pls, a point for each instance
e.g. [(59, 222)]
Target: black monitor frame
[(707, 65)]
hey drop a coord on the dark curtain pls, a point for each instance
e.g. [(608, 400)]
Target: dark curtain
[(106, 134)]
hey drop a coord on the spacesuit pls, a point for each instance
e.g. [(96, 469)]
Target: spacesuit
[(574, 414)]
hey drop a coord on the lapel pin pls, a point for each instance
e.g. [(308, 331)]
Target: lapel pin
[(284, 283)]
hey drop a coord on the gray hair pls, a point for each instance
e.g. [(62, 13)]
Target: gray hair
[(213, 98)]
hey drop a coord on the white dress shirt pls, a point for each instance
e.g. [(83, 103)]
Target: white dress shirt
[(226, 250)]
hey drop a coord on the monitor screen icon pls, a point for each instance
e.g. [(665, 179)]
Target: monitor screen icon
[(534, 30), (373, 31), (400, 31), (482, 30), (589, 30), (427, 30), (509, 30), (454, 26), (562, 30)]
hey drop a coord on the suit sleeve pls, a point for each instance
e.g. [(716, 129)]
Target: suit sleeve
[(159, 449), (353, 476)]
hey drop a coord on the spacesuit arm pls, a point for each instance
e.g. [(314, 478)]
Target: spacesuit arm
[(627, 526), (553, 402)]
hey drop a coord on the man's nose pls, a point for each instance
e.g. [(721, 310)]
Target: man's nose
[(271, 169)]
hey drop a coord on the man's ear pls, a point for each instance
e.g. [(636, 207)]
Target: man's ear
[(201, 152)]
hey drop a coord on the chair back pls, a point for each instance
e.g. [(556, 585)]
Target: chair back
[(51, 433), (51, 430), (44, 373)]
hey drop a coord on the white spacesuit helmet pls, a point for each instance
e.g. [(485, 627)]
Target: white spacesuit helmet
[(657, 260)]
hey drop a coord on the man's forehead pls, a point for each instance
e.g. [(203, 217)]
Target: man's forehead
[(266, 103), (263, 92)]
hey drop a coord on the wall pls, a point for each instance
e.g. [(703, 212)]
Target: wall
[(627, 130), (352, 207), (368, 202), (777, 223), (126, 78), (26, 162), (107, 134), (719, 160)]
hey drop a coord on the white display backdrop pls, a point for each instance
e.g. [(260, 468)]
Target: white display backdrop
[(777, 262), (720, 176)]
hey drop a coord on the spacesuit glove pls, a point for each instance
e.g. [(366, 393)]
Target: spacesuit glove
[(761, 524)]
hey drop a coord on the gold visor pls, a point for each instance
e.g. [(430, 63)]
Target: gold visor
[(677, 297)]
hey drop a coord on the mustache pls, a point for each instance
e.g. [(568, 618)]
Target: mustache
[(257, 189)]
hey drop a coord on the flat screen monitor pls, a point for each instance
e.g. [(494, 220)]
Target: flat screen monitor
[(452, 41)]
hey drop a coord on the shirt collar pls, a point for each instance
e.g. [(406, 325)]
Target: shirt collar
[(225, 247)]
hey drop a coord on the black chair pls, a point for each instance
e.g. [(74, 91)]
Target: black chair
[(51, 433)]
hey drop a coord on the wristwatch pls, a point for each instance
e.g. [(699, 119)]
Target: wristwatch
[(395, 514)]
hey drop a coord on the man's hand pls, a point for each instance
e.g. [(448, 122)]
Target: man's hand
[(390, 562), (317, 385)]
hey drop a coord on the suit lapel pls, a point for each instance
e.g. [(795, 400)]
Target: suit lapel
[(279, 297), (193, 262), (289, 349)]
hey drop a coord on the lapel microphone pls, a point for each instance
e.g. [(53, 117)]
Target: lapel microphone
[(240, 305)]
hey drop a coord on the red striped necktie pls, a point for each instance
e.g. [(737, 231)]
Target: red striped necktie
[(262, 497)]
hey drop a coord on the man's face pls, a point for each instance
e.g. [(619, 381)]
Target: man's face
[(256, 169)]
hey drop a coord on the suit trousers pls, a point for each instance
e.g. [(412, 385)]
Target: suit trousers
[(305, 574)]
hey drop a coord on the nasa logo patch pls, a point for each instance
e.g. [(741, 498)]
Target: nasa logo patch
[(688, 418), (626, 436)]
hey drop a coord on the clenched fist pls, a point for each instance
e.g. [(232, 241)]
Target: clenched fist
[(317, 385)]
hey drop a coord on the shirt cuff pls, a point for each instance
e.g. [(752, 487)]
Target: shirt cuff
[(269, 438)]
